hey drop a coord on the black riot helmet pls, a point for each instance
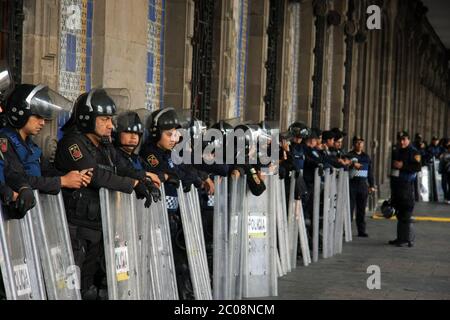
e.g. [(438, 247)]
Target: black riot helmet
[(387, 209), (127, 122), (39, 100), (91, 105), (162, 119), (298, 130)]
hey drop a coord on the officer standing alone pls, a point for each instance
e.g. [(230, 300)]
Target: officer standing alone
[(406, 163)]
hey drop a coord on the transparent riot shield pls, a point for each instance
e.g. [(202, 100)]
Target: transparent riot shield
[(438, 181), (55, 249), (259, 245), (281, 222), (235, 237), (423, 180), (293, 230), (120, 238), (221, 275), (346, 208), (327, 207), (316, 213), (158, 276), (340, 211), (19, 260), (332, 217), (304, 243), (195, 243)]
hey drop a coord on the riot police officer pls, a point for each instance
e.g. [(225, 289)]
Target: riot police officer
[(86, 145), (298, 131), (27, 109), (163, 126), (361, 183), (406, 162), (127, 136)]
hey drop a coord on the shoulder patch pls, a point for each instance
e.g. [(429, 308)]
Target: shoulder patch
[(3, 145), (75, 152), (418, 158), (151, 159)]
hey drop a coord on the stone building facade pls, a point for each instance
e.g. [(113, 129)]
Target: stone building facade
[(279, 60)]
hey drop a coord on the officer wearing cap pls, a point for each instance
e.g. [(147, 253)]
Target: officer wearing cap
[(434, 150), (86, 145), (361, 183), (27, 109), (298, 131), (406, 162), (420, 146)]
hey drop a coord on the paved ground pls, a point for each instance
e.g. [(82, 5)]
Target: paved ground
[(422, 272)]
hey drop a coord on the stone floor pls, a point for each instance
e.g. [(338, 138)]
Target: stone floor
[(422, 272)]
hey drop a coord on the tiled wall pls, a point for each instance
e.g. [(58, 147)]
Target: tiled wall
[(75, 41), (155, 55)]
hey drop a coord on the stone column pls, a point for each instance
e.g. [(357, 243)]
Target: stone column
[(178, 61), (257, 51), (306, 61)]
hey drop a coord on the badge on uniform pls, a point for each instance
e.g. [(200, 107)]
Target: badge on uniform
[(151, 159), (75, 152), (418, 158), (3, 144)]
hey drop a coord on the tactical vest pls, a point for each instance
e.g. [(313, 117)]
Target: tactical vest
[(29, 153)]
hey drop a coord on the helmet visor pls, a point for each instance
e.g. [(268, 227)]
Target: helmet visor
[(46, 103)]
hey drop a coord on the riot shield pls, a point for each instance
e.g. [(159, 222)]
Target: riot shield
[(55, 249), (195, 242), (438, 181), (158, 276), (19, 260), (259, 245), (304, 244), (221, 275), (346, 208), (327, 208), (293, 231), (120, 238), (423, 180), (316, 213), (333, 213), (282, 227), (235, 237), (340, 211)]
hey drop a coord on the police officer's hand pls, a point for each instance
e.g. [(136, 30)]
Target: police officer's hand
[(321, 171), (72, 180), (7, 194), (25, 201), (357, 165), (372, 190), (154, 178), (187, 187), (143, 193), (152, 189), (208, 184), (398, 164), (86, 176), (235, 174), (173, 180)]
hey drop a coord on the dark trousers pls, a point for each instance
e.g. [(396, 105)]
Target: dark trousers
[(405, 230), (402, 197), (446, 185), (358, 199), (89, 256)]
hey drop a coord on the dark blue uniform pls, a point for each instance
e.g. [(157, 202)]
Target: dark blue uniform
[(360, 180), (298, 151), (160, 161), (402, 189)]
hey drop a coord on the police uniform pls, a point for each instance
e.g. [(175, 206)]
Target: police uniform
[(75, 151), (360, 180), (402, 190)]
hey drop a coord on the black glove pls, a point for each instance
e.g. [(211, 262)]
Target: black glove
[(6, 194), (25, 201), (173, 180), (187, 187), (143, 193), (321, 171), (256, 185), (152, 189)]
